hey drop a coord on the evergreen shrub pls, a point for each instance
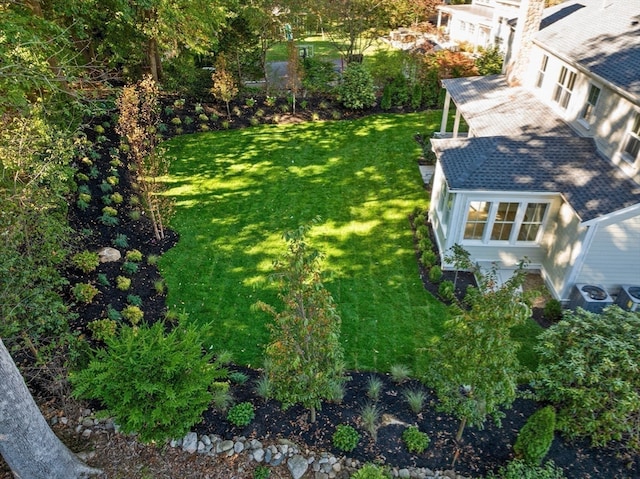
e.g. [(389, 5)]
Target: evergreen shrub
[(154, 382), (535, 437)]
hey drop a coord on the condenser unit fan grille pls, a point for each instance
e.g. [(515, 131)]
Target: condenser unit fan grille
[(594, 292)]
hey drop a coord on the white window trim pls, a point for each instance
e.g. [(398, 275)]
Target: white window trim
[(517, 224), (588, 122), (564, 89), (623, 154)]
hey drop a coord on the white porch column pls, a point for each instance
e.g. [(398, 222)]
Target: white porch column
[(456, 124), (439, 19), (445, 113)]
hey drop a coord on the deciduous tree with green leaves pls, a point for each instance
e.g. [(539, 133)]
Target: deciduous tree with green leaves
[(304, 360), (474, 367), (590, 370)]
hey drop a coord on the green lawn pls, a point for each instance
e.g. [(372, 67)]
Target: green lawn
[(237, 191)]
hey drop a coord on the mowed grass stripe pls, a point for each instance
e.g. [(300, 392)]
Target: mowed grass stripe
[(236, 192)]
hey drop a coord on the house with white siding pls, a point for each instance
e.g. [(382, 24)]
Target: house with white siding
[(550, 166), (482, 23)]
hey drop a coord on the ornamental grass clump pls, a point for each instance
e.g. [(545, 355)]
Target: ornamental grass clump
[(155, 383)]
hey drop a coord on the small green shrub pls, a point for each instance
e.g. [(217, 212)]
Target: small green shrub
[(102, 329), (113, 313), (135, 214), (446, 290), (159, 286), (176, 121), (130, 267), (86, 261), (134, 299), (517, 469), (82, 204), (152, 259), (155, 383), (84, 197), (371, 471), (117, 198), (415, 440), (435, 274), (356, 91), (133, 255), (415, 399), (103, 280), (84, 292), (113, 180), (374, 387), (241, 414), (108, 220), (106, 199), (121, 241), (422, 231), (109, 211), (425, 244), (261, 472), (535, 438), (387, 98), (123, 283), (345, 438), (105, 187), (553, 310), (429, 259), (399, 373), (133, 314)]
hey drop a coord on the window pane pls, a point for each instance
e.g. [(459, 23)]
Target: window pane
[(532, 221), (503, 224), (476, 219)]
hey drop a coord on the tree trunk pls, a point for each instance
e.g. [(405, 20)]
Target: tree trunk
[(27, 444), (463, 423), (152, 58)]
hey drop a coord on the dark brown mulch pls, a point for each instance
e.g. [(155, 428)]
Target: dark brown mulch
[(479, 452)]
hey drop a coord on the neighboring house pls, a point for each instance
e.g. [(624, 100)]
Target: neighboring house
[(483, 23), (550, 167)]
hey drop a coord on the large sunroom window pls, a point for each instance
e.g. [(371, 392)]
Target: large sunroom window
[(476, 220), (504, 221)]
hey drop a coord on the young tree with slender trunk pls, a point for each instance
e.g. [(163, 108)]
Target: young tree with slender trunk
[(474, 367), (224, 86), (137, 124), (27, 443), (304, 360), (295, 72)]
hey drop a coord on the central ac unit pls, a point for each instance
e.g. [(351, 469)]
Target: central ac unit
[(629, 298), (590, 297)]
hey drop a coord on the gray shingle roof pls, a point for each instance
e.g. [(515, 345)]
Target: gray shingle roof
[(571, 167), (602, 36), (491, 107)]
